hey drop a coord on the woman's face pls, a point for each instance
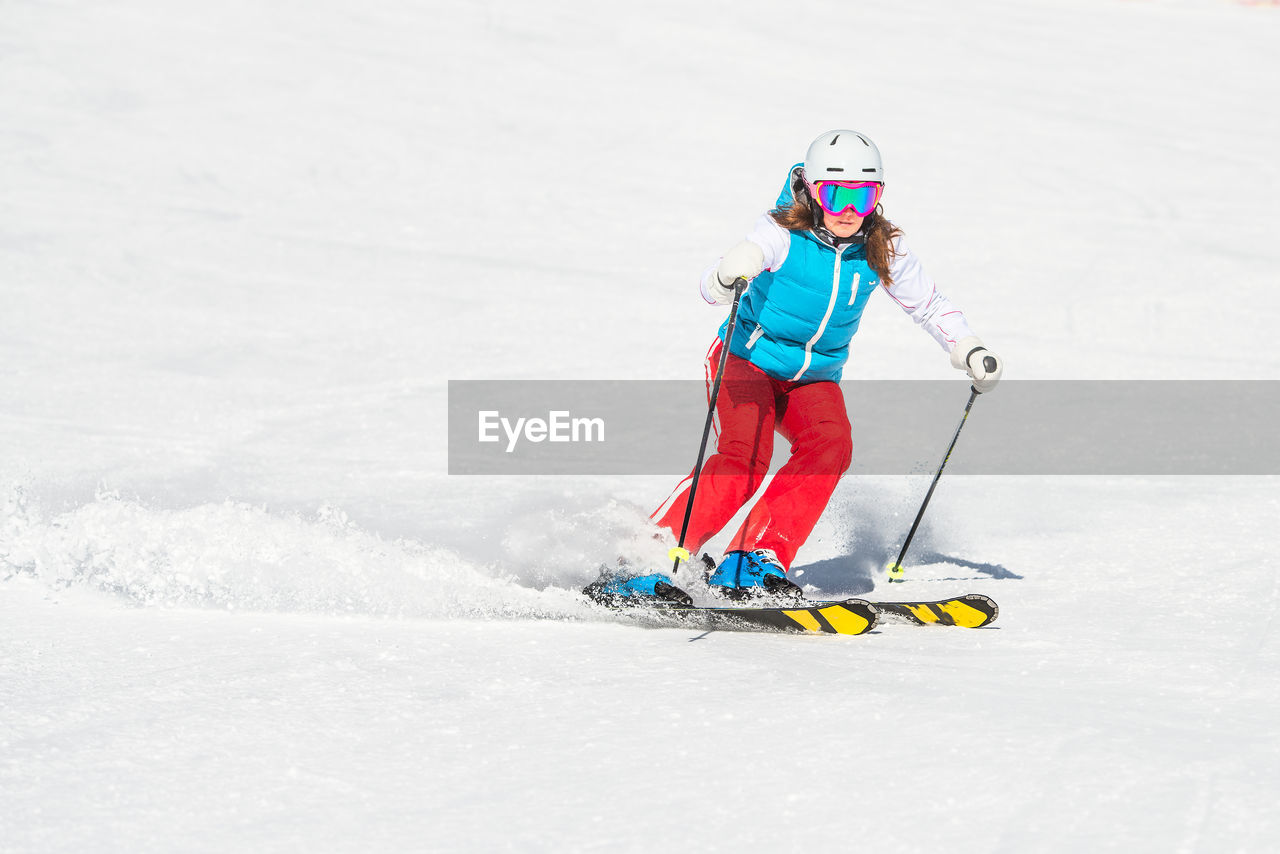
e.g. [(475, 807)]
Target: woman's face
[(844, 225)]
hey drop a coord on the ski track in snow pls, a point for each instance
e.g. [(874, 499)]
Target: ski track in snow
[(244, 248)]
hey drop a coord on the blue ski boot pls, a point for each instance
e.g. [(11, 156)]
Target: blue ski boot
[(621, 586), (752, 574)]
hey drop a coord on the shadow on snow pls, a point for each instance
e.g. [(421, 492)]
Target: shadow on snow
[(855, 574)]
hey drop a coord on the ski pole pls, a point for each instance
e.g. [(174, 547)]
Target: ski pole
[(895, 568), (679, 552)]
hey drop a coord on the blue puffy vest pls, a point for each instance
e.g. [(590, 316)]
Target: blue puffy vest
[(795, 323)]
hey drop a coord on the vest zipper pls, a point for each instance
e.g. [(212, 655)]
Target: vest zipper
[(822, 327)]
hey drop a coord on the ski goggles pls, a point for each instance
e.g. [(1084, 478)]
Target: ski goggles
[(836, 197)]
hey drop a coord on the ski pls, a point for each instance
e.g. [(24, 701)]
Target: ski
[(849, 617), (971, 611), (846, 617), (662, 603)]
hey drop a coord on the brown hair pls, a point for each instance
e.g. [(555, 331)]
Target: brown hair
[(876, 229)]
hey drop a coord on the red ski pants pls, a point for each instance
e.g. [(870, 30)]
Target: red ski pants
[(750, 407)]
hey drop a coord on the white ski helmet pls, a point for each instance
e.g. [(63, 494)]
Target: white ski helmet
[(842, 155)]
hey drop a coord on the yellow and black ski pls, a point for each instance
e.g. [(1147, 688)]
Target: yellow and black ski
[(846, 617), (972, 611), (850, 617)]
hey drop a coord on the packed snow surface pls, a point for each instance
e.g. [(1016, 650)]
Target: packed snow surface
[(245, 245)]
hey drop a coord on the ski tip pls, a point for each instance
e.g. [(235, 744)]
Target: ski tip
[(971, 610)]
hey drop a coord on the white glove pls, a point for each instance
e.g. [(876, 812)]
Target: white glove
[(983, 366), (744, 261)]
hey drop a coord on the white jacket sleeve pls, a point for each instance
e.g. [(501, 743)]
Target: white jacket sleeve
[(773, 240), (915, 292)]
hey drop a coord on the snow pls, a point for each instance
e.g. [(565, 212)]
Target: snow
[(244, 246)]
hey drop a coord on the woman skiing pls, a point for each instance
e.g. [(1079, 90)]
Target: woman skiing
[(811, 263)]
